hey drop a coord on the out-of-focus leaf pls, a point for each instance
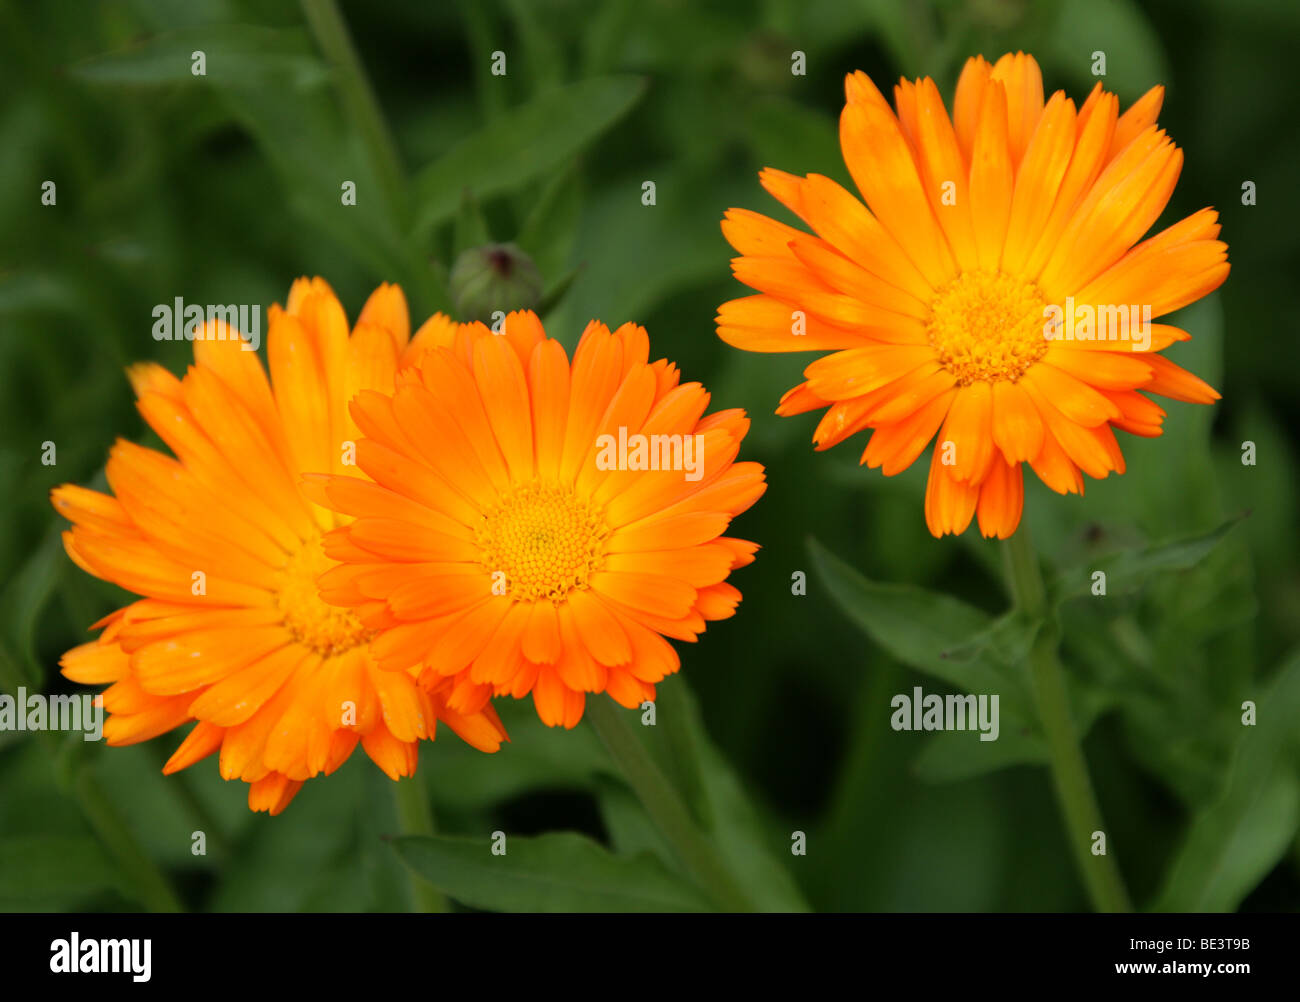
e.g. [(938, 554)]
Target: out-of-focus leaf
[(542, 56), (1135, 60), (1234, 843), (132, 780), (748, 840), (797, 139), (550, 226), (312, 169), (36, 290), (311, 837), (1008, 638), (920, 628), (520, 145), (482, 30), (554, 296), (606, 31), (235, 55), (271, 81), (463, 779), (677, 738), (904, 27), (387, 884), (24, 598), (662, 250), (916, 626), (724, 811), (955, 755), (471, 227), (630, 830), (46, 870), (1128, 570), (560, 872)]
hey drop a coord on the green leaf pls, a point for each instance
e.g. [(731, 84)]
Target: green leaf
[(271, 81), (750, 840), (955, 755), (483, 33), (693, 770), (630, 830), (25, 597), (471, 227), (235, 55), (1128, 570), (290, 863), (554, 296), (542, 54), (921, 628), (1008, 638), (951, 756), (465, 781), (522, 144), (1135, 59), (40, 870), (550, 227), (559, 872), (311, 171), (680, 735), (797, 138), (903, 29), (1233, 844)]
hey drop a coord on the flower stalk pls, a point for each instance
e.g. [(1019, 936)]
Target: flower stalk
[(665, 806), (1074, 792), (415, 817)]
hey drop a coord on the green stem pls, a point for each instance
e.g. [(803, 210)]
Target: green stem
[(665, 807), (331, 33), (415, 815), (1074, 791)]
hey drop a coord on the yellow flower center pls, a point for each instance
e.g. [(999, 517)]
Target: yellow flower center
[(987, 325), (326, 629), (546, 541)]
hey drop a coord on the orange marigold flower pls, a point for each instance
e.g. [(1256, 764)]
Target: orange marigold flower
[(992, 289), (527, 531), (224, 547)]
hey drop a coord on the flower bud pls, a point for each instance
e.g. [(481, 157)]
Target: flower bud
[(492, 278)]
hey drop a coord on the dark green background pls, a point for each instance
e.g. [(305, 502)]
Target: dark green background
[(224, 188)]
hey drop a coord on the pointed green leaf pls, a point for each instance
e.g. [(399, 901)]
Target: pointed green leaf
[(1008, 639), (922, 629), (235, 55), (558, 872), (25, 597), (956, 755), (550, 225), (471, 227), (1128, 570), (1233, 844), (719, 805), (522, 144)]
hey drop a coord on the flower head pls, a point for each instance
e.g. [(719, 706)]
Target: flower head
[(991, 292), (225, 549), (537, 525)]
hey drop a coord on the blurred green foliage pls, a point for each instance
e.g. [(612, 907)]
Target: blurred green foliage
[(223, 188)]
